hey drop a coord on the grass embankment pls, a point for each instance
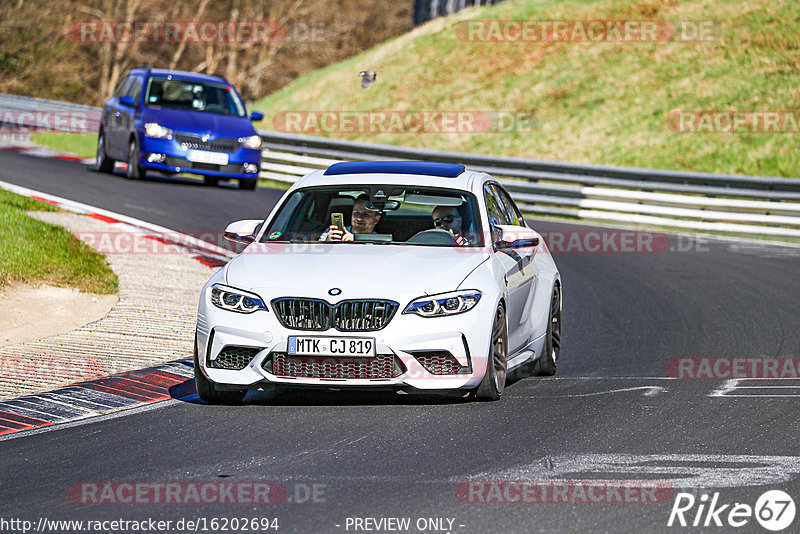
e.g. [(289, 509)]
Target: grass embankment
[(592, 102), (80, 144), (34, 251)]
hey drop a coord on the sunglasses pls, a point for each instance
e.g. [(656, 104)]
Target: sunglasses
[(363, 215), (447, 219)]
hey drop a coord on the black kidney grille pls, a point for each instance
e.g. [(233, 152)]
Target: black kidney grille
[(363, 315), (303, 314), (347, 316)]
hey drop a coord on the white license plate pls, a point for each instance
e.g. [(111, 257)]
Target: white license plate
[(331, 346), (204, 156)]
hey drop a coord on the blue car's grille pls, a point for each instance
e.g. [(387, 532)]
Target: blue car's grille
[(194, 142)]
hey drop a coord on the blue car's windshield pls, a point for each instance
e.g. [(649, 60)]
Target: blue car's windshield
[(193, 96)]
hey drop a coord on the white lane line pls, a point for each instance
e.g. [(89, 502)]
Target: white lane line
[(680, 470), (731, 389), (649, 391)]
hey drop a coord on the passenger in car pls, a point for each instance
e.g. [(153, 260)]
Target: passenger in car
[(362, 221), (450, 218)]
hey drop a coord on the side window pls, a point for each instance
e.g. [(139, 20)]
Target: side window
[(135, 89), (120, 90), (510, 209), (494, 209)]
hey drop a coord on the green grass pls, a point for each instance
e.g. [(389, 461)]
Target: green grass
[(603, 103), (80, 144), (34, 251)]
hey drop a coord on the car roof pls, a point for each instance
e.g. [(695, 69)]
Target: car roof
[(183, 75), (423, 174)]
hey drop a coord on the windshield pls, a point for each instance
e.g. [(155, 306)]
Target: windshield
[(385, 214), (193, 96)]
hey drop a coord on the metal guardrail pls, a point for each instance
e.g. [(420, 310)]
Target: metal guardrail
[(29, 114), (674, 199)]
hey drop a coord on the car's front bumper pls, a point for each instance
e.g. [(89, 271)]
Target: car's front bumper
[(409, 341), (176, 160)]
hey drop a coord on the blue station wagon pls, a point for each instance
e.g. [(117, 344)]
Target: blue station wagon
[(174, 121)]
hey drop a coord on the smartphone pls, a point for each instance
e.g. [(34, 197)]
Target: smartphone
[(337, 220)]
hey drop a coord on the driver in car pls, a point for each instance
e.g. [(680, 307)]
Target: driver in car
[(449, 218), (362, 221)]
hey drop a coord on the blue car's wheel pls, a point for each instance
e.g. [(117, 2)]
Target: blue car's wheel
[(103, 163), (135, 170)]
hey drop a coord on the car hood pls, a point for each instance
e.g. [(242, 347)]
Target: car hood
[(358, 270), (200, 122)]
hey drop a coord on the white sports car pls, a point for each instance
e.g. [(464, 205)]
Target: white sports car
[(400, 275)]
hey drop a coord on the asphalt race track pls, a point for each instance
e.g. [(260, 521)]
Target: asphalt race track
[(356, 462)]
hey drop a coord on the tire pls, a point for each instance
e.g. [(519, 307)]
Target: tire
[(248, 185), (102, 162), (494, 381), (206, 388), (135, 171), (547, 364), (211, 181)]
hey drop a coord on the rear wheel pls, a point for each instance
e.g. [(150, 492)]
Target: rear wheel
[(494, 381), (547, 364), (103, 163), (135, 170), (207, 390)]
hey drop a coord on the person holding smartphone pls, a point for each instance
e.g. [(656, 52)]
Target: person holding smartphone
[(363, 221)]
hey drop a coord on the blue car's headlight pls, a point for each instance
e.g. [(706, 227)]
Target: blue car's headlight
[(235, 300), (254, 141), (444, 304), (156, 131)]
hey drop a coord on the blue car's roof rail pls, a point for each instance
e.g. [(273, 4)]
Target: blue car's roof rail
[(427, 168)]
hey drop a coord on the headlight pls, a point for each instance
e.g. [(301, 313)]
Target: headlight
[(155, 130), (444, 304), (235, 300), (254, 141)]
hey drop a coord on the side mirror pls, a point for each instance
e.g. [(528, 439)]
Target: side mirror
[(256, 116), (243, 231), (513, 237), (127, 101)]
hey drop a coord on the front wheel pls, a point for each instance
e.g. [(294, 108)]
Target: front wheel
[(494, 381), (102, 162), (547, 364), (248, 185), (206, 388), (135, 170)]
